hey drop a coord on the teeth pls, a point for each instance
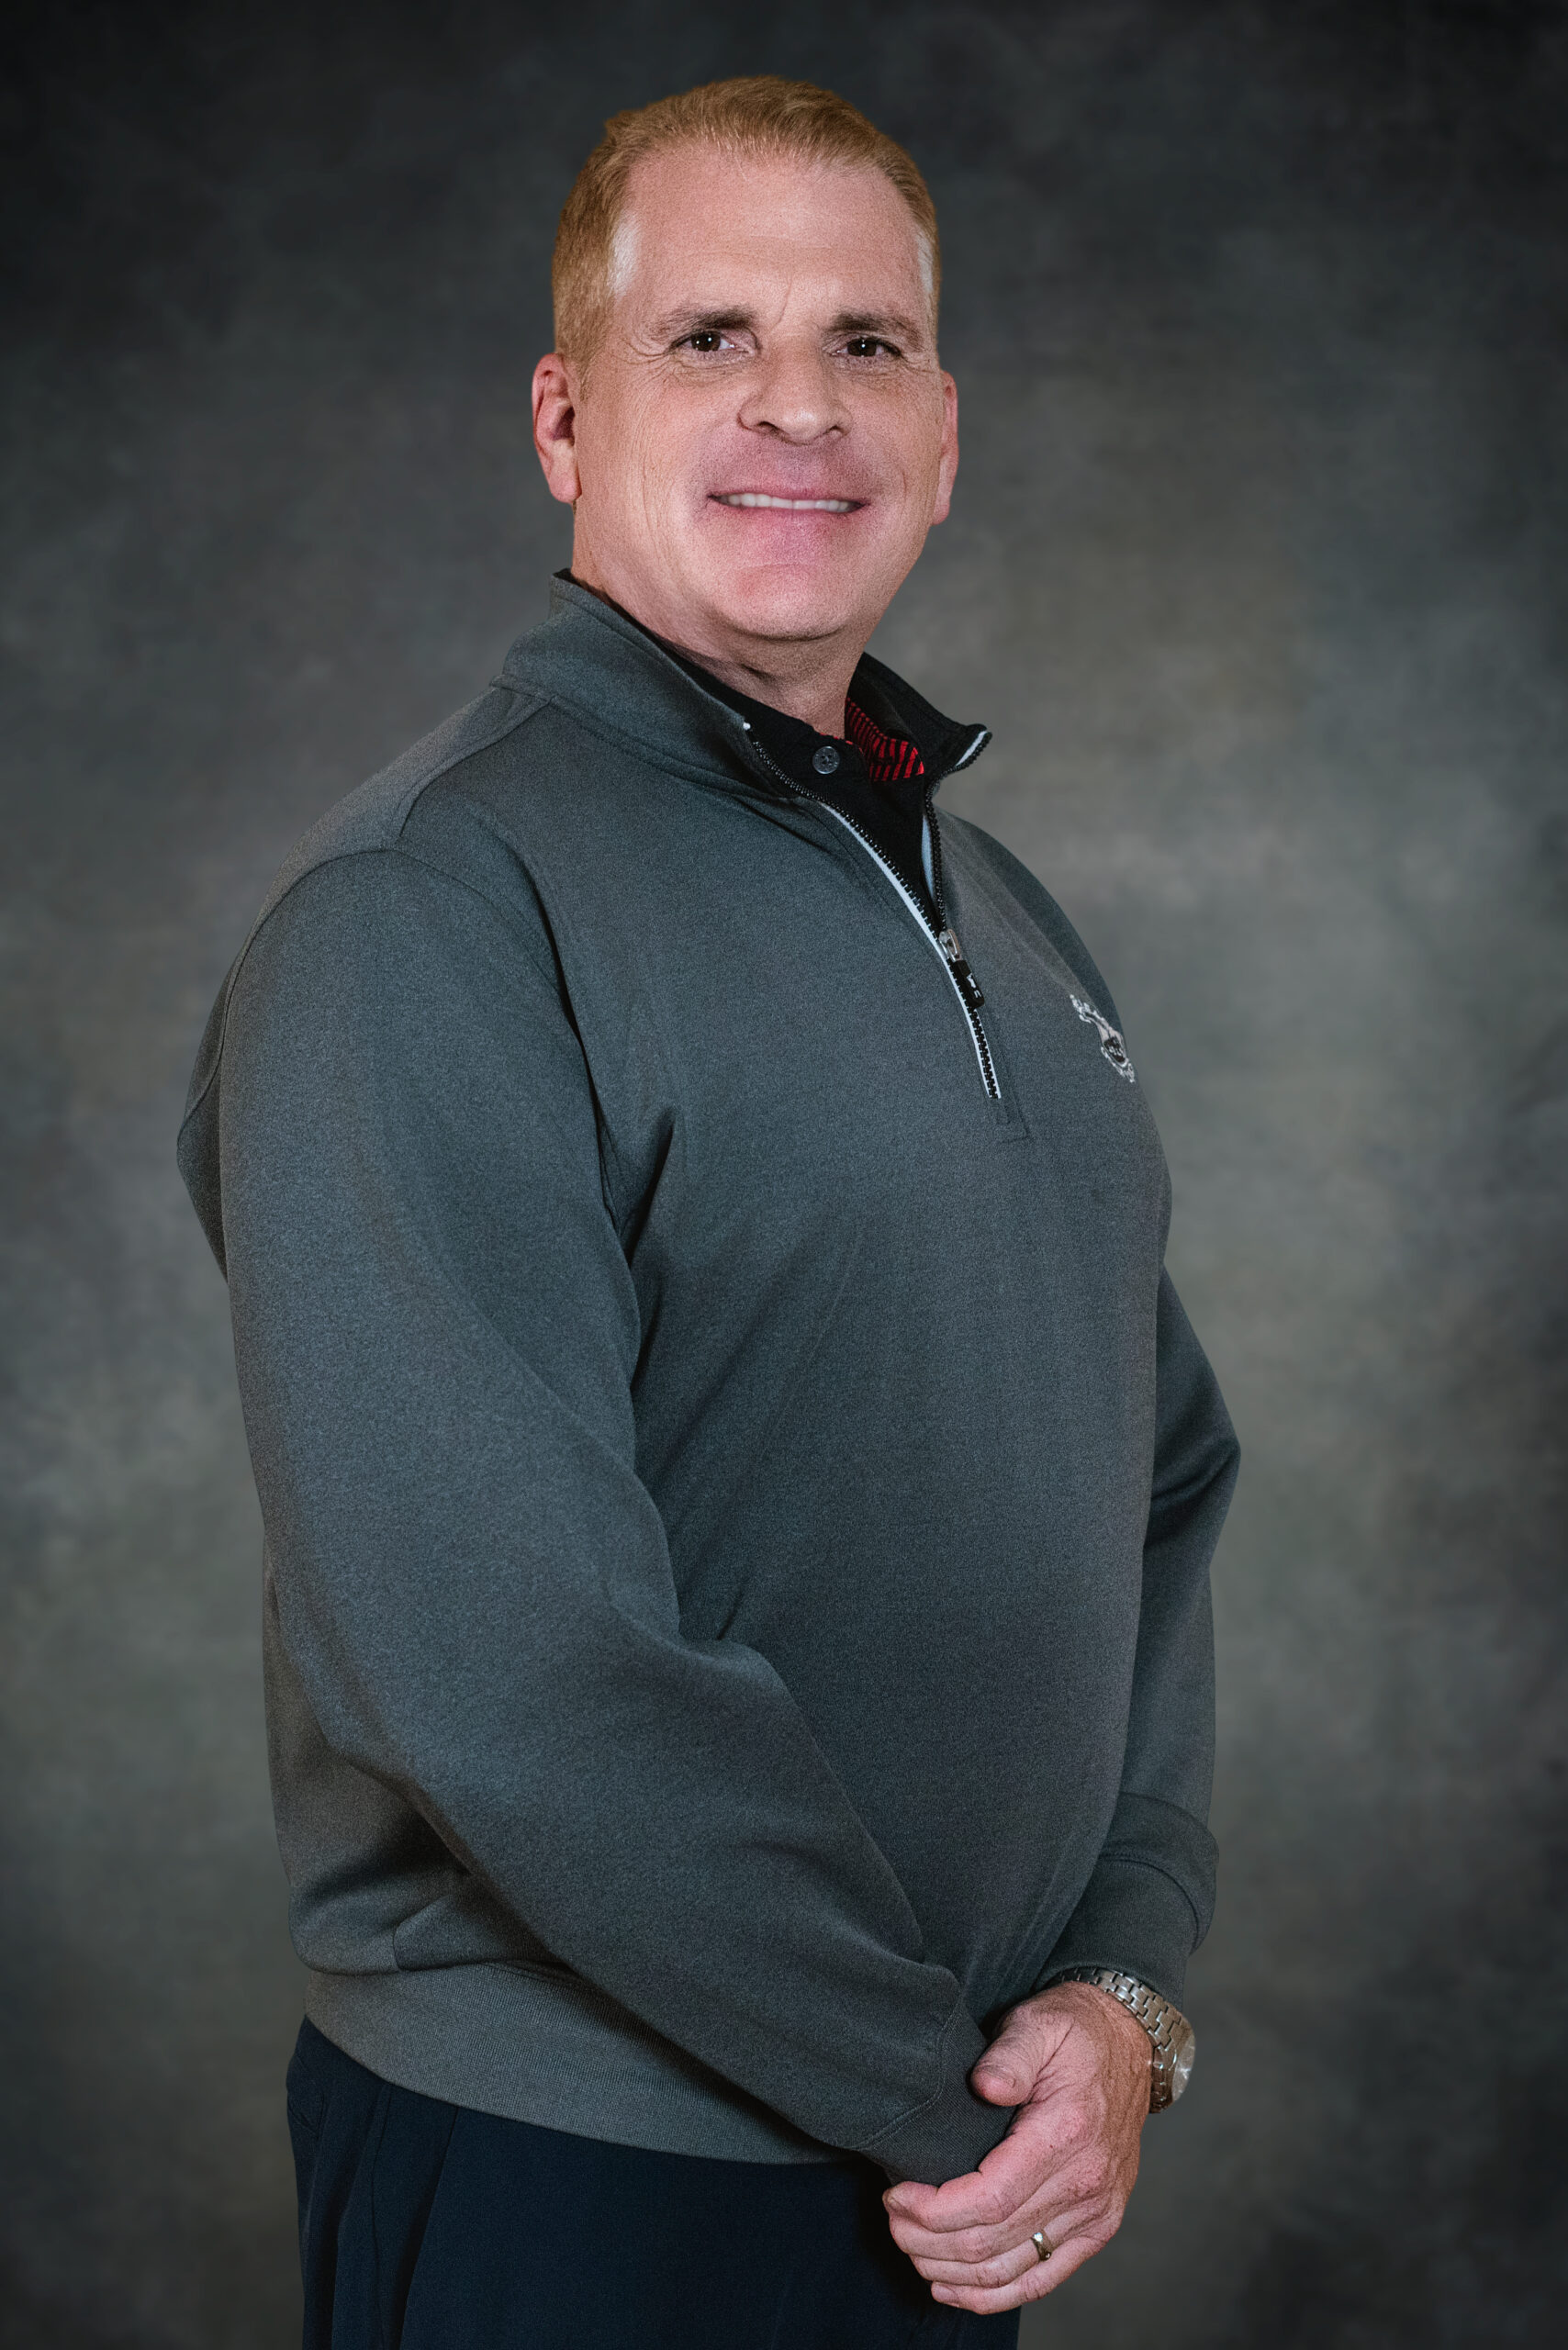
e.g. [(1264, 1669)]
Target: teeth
[(787, 505)]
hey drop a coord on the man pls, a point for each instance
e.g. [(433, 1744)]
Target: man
[(738, 1484)]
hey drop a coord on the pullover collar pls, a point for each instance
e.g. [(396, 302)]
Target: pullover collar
[(620, 681)]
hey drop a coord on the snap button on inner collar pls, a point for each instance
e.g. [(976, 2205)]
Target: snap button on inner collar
[(825, 760)]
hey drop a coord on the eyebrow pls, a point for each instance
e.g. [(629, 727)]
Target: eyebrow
[(892, 324), (684, 322)]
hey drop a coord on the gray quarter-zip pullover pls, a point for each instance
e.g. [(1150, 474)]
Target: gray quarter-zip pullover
[(738, 1484)]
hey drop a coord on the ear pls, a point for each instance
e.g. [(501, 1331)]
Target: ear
[(555, 428), (948, 464)]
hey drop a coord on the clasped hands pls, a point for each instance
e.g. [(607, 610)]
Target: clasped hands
[(1076, 2065)]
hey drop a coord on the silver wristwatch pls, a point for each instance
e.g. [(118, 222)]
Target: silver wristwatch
[(1174, 2042)]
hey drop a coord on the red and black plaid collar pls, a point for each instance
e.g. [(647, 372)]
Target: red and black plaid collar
[(794, 745), (937, 746), (890, 758)]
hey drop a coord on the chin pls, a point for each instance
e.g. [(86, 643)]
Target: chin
[(787, 601)]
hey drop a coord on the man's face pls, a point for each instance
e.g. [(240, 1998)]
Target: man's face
[(765, 436)]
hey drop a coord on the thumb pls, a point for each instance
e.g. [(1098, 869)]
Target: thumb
[(1005, 2075)]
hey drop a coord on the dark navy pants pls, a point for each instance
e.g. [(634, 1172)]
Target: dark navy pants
[(424, 2226)]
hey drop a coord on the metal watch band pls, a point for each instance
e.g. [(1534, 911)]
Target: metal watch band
[(1172, 2037)]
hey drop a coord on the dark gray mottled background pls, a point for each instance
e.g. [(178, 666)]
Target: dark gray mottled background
[(1259, 315)]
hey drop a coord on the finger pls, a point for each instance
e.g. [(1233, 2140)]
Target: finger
[(1013, 2170), (1064, 2204), (982, 2276), (1073, 2238), (1021, 2261), (1010, 2176), (1031, 2284)]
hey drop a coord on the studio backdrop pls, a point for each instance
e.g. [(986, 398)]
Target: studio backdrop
[(1256, 569)]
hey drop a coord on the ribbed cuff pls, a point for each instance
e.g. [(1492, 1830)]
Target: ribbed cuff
[(1133, 1918), (946, 2137), (1148, 1903)]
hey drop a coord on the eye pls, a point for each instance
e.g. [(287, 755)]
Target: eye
[(870, 346), (705, 340)]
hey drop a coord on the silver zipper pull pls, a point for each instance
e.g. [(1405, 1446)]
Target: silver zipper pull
[(947, 940)]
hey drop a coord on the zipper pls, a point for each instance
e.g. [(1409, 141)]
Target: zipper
[(942, 937)]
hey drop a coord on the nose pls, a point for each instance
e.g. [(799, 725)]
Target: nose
[(795, 396)]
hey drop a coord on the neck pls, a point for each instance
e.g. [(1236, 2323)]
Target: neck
[(805, 679), (817, 697)]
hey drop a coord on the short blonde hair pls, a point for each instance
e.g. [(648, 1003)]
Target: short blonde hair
[(755, 114)]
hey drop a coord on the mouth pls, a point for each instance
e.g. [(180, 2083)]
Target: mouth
[(761, 497)]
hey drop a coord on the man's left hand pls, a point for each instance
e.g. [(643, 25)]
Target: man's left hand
[(1076, 2065)]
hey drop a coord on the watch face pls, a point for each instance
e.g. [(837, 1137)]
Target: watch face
[(1184, 2048)]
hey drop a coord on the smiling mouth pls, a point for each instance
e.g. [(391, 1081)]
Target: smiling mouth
[(787, 505)]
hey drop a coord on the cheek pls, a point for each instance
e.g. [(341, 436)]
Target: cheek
[(912, 438), (651, 463), (609, 436)]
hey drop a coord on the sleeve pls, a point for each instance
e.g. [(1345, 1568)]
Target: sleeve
[(1148, 1902), (436, 1333)]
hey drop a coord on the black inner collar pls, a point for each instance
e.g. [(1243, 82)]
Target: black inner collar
[(892, 815)]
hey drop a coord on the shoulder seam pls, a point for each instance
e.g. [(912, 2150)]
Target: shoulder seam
[(502, 913), (531, 704)]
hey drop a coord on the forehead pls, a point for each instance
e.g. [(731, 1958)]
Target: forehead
[(704, 226)]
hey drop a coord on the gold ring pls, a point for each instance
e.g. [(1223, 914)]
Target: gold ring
[(1041, 2246)]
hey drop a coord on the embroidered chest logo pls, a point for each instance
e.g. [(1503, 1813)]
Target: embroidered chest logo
[(1111, 1043)]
